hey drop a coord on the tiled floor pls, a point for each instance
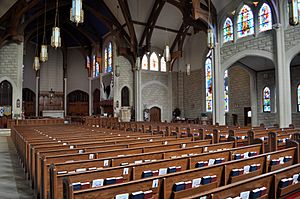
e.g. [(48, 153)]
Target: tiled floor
[(13, 184)]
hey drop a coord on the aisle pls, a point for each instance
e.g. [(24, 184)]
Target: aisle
[(13, 184)]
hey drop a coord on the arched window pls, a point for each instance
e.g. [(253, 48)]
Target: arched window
[(153, 62), (228, 30), (105, 60), (267, 100), (209, 82), (97, 69), (6, 91), (226, 91), (110, 58), (245, 22), (145, 63), (94, 66), (298, 94), (163, 65), (265, 18)]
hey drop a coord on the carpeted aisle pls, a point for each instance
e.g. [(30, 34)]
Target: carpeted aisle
[(13, 184)]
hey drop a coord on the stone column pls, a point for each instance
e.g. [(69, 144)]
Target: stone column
[(65, 94), (218, 88), (90, 96), (137, 92), (37, 93), (170, 95), (283, 81)]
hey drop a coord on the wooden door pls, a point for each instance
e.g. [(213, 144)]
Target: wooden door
[(155, 114), (6, 91), (125, 96), (247, 116)]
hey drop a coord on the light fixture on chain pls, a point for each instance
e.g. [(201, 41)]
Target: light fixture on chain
[(55, 38), (210, 33), (76, 12), (44, 47), (293, 12), (36, 60)]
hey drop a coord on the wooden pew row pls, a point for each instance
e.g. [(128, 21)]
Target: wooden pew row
[(135, 171), (163, 186), (118, 160), (271, 181)]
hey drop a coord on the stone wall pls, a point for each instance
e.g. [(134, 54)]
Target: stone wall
[(295, 79), (11, 69), (291, 34)]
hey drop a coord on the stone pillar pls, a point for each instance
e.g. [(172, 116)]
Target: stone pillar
[(218, 88), (137, 92), (253, 96), (37, 93), (65, 94), (170, 95), (90, 96), (283, 81)]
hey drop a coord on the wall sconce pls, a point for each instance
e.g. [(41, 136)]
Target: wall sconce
[(188, 69), (117, 71), (51, 95), (18, 103)]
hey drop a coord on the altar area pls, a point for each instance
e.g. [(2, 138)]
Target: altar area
[(53, 113)]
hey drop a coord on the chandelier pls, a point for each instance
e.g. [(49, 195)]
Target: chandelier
[(44, 50), (76, 12), (55, 38), (293, 12), (210, 33), (36, 60)]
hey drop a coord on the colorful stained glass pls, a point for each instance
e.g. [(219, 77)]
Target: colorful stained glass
[(265, 18), (267, 100), (298, 98), (88, 62), (105, 60), (163, 65), (226, 92), (228, 30), (245, 22), (209, 83), (154, 62), (110, 58), (97, 69), (145, 63), (94, 66)]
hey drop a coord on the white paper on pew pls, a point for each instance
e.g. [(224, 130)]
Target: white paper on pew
[(203, 197), (183, 146), (281, 159), (138, 162), (269, 157), (245, 195), (105, 163), (91, 156), (205, 149), (155, 183), (64, 144), (162, 171), (295, 178), (196, 182), (246, 169), (211, 162), (81, 170), (71, 147), (97, 183), (246, 155), (125, 171)]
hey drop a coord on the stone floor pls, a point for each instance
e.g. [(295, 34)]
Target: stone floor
[(13, 183)]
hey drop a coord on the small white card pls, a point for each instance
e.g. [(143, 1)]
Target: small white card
[(205, 149), (122, 196), (183, 146), (211, 162), (98, 183), (246, 155), (71, 147), (91, 156), (245, 195), (155, 183), (162, 171), (196, 182), (246, 169), (125, 171), (106, 163), (281, 159), (295, 178)]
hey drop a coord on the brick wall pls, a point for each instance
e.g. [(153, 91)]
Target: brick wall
[(291, 34)]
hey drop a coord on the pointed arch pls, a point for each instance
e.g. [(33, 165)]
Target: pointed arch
[(227, 30), (145, 62), (245, 22), (110, 57), (298, 95), (209, 82), (163, 64), (265, 18), (266, 100), (105, 60), (154, 62)]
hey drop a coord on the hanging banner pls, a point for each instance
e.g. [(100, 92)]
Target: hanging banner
[(7, 110)]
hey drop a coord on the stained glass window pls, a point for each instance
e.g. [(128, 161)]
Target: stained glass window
[(88, 62), (265, 18), (154, 62), (97, 69), (226, 91), (209, 83), (298, 94), (105, 60), (145, 63), (110, 57), (94, 66), (228, 30), (245, 22), (267, 100), (163, 65)]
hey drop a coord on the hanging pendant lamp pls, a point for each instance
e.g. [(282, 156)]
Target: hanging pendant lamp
[(55, 38), (210, 32), (76, 12), (44, 47), (36, 60)]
